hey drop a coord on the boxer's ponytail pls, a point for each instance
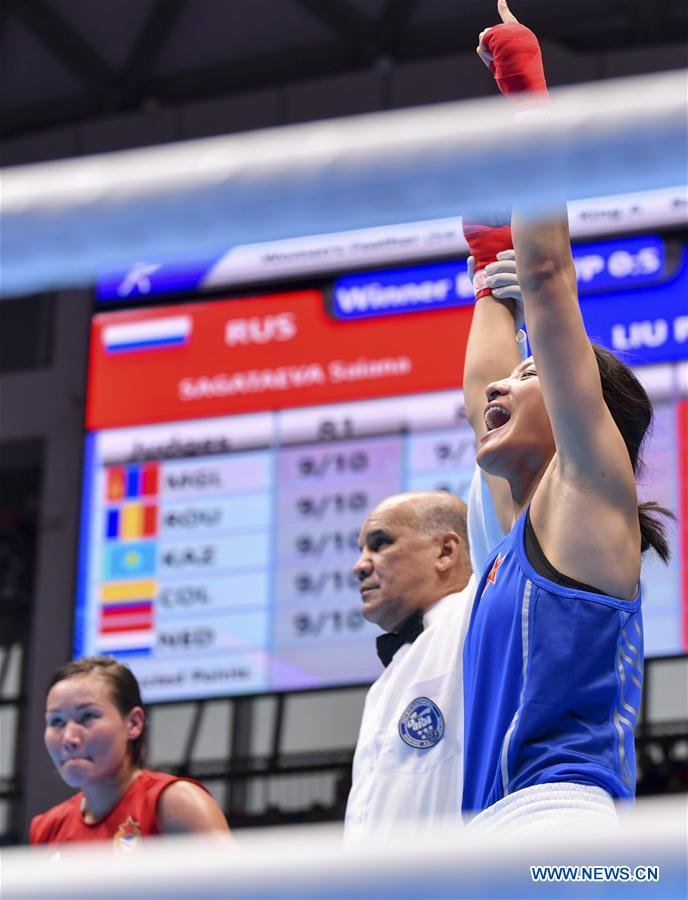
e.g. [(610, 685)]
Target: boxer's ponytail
[(631, 410)]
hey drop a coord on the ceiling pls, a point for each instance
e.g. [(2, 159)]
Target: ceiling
[(63, 62)]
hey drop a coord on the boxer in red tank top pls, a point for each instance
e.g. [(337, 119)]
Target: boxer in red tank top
[(95, 734)]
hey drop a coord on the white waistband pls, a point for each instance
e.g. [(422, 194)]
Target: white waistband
[(547, 806)]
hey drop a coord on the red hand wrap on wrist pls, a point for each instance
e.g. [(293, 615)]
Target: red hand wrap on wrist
[(485, 242), (516, 59)]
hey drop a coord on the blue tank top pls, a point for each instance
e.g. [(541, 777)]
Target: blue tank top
[(552, 683)]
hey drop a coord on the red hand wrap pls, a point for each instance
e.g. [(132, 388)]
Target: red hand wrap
[(516, 59), (485, 242)]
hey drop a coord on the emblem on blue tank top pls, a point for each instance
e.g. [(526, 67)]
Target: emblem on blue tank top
[(492, 576), (421, 724)]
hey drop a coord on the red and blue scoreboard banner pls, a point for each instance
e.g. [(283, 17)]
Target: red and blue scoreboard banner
[(236, 444)]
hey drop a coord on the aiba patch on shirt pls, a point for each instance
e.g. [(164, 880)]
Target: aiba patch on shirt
[(128, 837), (421, 724)]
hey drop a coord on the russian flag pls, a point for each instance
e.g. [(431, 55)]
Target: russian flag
[(152, 334)]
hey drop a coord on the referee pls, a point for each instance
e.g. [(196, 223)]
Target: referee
[(416, 583)]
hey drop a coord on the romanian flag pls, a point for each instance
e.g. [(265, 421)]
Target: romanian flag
[(127, 482), (131, 521)]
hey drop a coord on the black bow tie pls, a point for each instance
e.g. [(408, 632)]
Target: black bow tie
[(388, 644)]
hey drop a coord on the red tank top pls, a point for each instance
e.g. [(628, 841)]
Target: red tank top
[(128, 822)]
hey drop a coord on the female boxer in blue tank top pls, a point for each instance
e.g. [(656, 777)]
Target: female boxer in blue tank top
[(553, 657)]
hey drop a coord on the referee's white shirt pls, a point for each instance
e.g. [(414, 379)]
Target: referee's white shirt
[(395, 784)]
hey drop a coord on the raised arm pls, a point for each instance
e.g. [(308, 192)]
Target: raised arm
[(590, 448), (591, 451), (588, 491), (491, 351)]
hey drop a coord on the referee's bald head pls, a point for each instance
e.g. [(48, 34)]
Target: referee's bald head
[(414, 551), (434, 512)]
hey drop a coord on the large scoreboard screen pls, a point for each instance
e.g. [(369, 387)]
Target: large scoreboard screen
[(234, 447)]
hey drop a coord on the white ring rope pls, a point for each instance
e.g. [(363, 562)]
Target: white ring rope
[(308, 863), (62, 221)]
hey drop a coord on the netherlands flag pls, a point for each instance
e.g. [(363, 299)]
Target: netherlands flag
[(126, 627), (153, 334), (139, 643)]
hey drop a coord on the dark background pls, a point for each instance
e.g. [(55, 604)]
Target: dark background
[(82, 76)]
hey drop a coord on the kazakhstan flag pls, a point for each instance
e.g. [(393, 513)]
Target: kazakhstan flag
[(130, 560)]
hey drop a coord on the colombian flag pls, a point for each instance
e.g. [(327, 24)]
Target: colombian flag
[(127, 591), (126, 617), (116, 618)]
